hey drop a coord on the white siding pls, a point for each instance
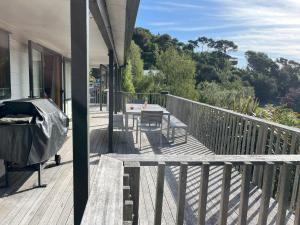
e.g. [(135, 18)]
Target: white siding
[(19, 71)]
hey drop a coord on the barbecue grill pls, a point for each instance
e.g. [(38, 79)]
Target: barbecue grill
[(32, 131)]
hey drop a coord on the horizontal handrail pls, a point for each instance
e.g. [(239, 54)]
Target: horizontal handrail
[(105, 203), (259, 120), (198, 160), (140, 93), (131, 183)]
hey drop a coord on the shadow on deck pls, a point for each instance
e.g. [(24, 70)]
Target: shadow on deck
[(126, 144), (22, 203)]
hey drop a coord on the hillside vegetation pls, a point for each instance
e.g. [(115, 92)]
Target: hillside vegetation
[(203, 70)]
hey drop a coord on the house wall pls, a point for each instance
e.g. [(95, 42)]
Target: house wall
[(19, 70)]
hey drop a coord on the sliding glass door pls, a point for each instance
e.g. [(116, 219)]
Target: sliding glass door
[(45, 71)]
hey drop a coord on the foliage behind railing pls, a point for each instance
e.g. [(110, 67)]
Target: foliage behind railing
[(140, 98), (229, 133)]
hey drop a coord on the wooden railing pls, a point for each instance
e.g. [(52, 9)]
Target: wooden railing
[(229, 133), (119, 175), (140, 98)]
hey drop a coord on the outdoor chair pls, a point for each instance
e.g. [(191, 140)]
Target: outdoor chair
[(118, 122), (150, 121), (136, 101)]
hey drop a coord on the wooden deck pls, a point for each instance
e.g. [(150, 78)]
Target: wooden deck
[(22, 203)]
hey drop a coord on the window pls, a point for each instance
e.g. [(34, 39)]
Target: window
[(5, 90)]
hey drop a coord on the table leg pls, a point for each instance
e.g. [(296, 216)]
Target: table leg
[(126, 122), (168, 130)]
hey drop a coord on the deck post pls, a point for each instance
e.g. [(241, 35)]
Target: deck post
[(115, 88), (100, 89), (133, 169), (80, 104), (119, 88), (111, 100)]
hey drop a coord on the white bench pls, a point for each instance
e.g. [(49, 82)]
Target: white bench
[(176, 123)]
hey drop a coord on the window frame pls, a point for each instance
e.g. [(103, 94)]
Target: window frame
[(9, 95)]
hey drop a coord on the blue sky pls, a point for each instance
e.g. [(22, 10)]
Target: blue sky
[(271, 26)]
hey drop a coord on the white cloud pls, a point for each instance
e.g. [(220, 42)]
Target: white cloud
[(180, 5), (161, 24), (269, 26)]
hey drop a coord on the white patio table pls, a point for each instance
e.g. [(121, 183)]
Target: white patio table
[(136, 109)]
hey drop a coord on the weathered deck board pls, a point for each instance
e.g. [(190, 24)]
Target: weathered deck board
[(21, 204)]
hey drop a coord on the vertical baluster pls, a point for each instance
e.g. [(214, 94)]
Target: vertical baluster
[(257, 151), (245, 189), (225, 136), (271, 140), (297, 210), (266, 194), (284, 193), (239, 150), (159, 193), (236, 136), (295, 188), (232, 138), (285, 143), (262, 152), (206, 126), (211, 126), (253, 138), (181, 193), (244, 139), (277, 149), (249, 133), (203, 193), (200, 123), (225, 193), (229, 131), (217, 131), (220, 130), (284, 151), (224, 122), (224, 129), (233, 135)]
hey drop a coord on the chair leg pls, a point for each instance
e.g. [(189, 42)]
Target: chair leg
[(133, 121), (140, 140), (186, 135), (173, 134), (137, 133), (161, 136)]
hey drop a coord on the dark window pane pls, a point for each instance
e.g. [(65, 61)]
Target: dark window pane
[(5, 91)]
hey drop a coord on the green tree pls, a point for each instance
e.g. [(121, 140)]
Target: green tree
[(127, 79), (134, 55), (178, 73), (292, 99), (141, 83), (230, 95)]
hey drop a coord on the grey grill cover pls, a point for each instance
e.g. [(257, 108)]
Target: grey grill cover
[(34, 142)]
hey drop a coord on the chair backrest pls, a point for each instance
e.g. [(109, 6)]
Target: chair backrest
[(138, 101), (150, 117)]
